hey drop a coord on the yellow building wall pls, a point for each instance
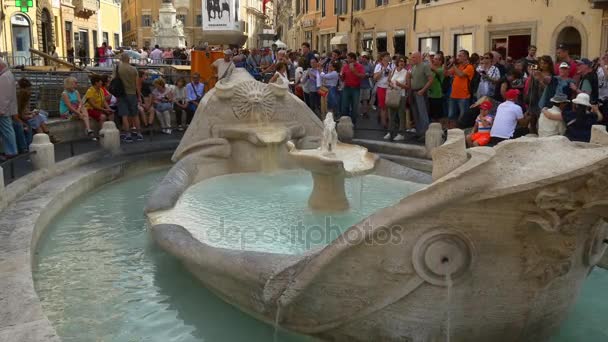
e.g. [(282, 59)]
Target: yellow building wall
[(486, 19), (110, 21)]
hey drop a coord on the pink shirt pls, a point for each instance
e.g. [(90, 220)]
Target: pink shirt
[(350, 79)]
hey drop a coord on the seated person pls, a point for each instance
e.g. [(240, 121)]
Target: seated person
[(551, 121), (483, 126), (70, 105), (35, 119), (580, 120), (508, 115), (95, 101), (470, 115)]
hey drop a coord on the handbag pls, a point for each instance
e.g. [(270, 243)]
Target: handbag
[(393, 97), (323, 91), (117, 88)]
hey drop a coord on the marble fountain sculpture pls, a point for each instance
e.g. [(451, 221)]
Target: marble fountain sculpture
[(496, 248)]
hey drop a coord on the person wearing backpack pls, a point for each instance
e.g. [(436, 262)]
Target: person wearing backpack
[(463, 73), (126, 78)]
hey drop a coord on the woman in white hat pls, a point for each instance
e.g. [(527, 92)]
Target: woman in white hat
[(580, 120), (551, 121)]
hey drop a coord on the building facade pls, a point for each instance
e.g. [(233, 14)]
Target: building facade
[(403, 26), (62, 24), (138, 16)]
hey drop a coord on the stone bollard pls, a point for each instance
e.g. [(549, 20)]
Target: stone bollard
[(45, 152), (345, 129), (109, 137), (599, 136), (433, 137), (450, 155)]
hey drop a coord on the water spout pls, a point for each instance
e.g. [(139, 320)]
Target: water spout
[(329, 140), (277, 317), (448, 281)]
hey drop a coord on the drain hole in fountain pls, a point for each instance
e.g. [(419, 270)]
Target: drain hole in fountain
[(445, 260)]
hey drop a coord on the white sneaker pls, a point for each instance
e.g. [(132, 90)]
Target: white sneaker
[(399, 137), (169, 131), (411, 130), (387, 136)]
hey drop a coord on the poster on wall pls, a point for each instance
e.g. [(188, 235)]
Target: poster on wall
[(221, 15)]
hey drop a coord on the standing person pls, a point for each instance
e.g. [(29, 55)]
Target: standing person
[(127, 103), (531, 54), (70, 53), (490, 75), (564, 81), (163, 103), (143, 57), (435, 91), (602, 75), (381, 73), (352, 73), (101, 54), (8, 108), (156, 55), (194, 92), (563, 56), (398, 80), (330, 80), (221, 66), (588, 82), (420, 80), (307, 54), (280, 73), (366, 84), (312, 77), (462, 72)]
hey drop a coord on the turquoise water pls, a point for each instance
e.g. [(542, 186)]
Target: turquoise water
[(101, 278), (269, 212)]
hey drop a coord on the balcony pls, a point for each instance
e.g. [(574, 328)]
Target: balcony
[(85, 8)]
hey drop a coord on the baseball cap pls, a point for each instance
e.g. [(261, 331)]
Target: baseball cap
[(511, 94), (228, 52), (486, 105), (585, 61), (564, 65)]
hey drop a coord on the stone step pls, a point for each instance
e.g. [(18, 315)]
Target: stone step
[(392, 148), (420, 164)]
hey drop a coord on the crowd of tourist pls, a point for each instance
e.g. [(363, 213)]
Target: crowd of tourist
[(408, 92), (492, 97)]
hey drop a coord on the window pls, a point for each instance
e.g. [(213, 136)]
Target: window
[(181, 17), (305, 6), (428, 44), (290, 22), (105, 37), (317, 5), (95, 38), (68, 34), (340, 7), (298, 8), (381, 3), (116, 40), (308, 36), (146, 20), (359, 5), (322, 8), (199, 20), (463, 42)]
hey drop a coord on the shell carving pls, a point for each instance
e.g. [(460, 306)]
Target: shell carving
[(253, 100)]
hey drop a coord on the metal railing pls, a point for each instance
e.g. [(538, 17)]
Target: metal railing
[(85, 61), (10, 163)]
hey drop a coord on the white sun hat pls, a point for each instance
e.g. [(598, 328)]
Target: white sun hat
[(582, 99)]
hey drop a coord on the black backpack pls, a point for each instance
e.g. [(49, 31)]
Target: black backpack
[(117, 88)]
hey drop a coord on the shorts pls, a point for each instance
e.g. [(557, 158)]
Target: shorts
[(481, 138), (95, 114), (365, 94), (127, 105), (163, 106), (381, 94)]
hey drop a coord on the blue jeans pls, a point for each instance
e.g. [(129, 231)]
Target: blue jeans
[(457, 108), (333, 99), (350, 103), (22, 137), (7, 135), (420, 112)]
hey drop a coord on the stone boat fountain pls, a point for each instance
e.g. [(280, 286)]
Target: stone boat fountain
[(495, 248)]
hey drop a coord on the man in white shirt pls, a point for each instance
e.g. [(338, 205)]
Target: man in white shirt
[(508, 115), (221, 66)]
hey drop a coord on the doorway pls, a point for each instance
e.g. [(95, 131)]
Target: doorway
[(399, 44), (22, 39), (571, 37), (514, 46), (47, 30)]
